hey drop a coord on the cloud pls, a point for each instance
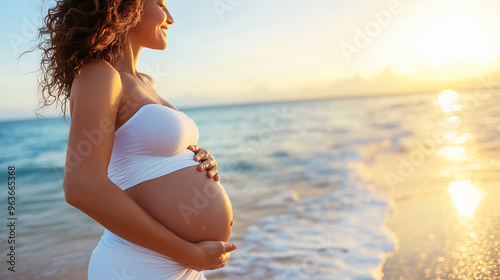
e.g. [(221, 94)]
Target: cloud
[(387, 82)]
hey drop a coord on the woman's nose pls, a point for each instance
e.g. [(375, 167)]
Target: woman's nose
[(170, 19)]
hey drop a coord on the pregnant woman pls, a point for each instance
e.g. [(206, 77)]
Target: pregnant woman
[(132, 159)]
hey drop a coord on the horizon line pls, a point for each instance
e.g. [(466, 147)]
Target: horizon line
[(223, 105)]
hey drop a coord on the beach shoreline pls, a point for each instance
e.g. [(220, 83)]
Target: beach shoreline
[(446, 226), (436, 244)]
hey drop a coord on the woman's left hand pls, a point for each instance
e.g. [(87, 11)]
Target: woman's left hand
[(207, 161)]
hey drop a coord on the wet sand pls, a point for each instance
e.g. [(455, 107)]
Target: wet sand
[(446, 216), (441, 236)]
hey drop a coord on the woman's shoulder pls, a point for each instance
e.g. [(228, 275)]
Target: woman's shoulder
[(97, 69), (148, 79), (97, 80)]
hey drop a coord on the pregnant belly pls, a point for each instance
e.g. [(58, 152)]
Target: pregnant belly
[(188, 203)]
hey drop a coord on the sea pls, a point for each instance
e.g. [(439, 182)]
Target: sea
[(299, 175)]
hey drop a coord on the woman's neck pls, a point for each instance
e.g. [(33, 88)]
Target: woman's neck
[(130, 55)]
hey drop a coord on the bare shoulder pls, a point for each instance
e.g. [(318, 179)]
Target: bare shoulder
[(98, 83), (98, 69), (149, 79)]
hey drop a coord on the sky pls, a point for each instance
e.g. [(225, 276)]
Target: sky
[(241, 51)]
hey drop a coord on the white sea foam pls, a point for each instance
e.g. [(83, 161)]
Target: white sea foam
[(340, 235)]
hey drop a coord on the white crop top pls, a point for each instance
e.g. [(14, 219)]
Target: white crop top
[(152, 143)]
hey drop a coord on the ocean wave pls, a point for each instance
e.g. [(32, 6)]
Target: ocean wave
[(340, 235)]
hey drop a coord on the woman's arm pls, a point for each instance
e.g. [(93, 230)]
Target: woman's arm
[(95, 99)]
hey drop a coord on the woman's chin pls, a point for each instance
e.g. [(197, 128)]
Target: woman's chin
[(162, 45)]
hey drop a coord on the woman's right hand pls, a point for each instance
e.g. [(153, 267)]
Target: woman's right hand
[(210, 255)]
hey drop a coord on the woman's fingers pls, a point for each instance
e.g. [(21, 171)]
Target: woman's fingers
[(211, 167), (228, 247), (213, 171), (193, 148), (200, 153), (225, 256), (224, 259), (207, 162), (215, 256)]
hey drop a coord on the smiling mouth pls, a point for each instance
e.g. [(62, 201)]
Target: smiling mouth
[(164, 30)]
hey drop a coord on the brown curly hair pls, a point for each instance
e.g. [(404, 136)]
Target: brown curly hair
[(76, 31)]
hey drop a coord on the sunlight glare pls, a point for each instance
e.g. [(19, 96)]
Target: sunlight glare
[(447, 100), (456, 36), (465, 197), (452, 136), (453, 153)]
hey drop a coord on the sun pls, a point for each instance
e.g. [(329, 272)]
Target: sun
[(457, 36)]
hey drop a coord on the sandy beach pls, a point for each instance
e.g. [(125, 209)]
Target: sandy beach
[(446, 198), (436, 244), (448, 232)]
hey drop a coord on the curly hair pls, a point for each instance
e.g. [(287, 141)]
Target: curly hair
[(75, 32)]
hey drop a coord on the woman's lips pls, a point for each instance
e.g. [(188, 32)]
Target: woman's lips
[(164, 30)]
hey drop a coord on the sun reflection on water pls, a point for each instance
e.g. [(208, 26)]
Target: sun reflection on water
[(466, 197), (453, 136), (453, 152), (448, 101)]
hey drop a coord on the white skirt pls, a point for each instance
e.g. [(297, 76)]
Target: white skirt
[(115, 258)]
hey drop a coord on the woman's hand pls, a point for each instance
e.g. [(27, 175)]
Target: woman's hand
[(207, 161), (210, 255)]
